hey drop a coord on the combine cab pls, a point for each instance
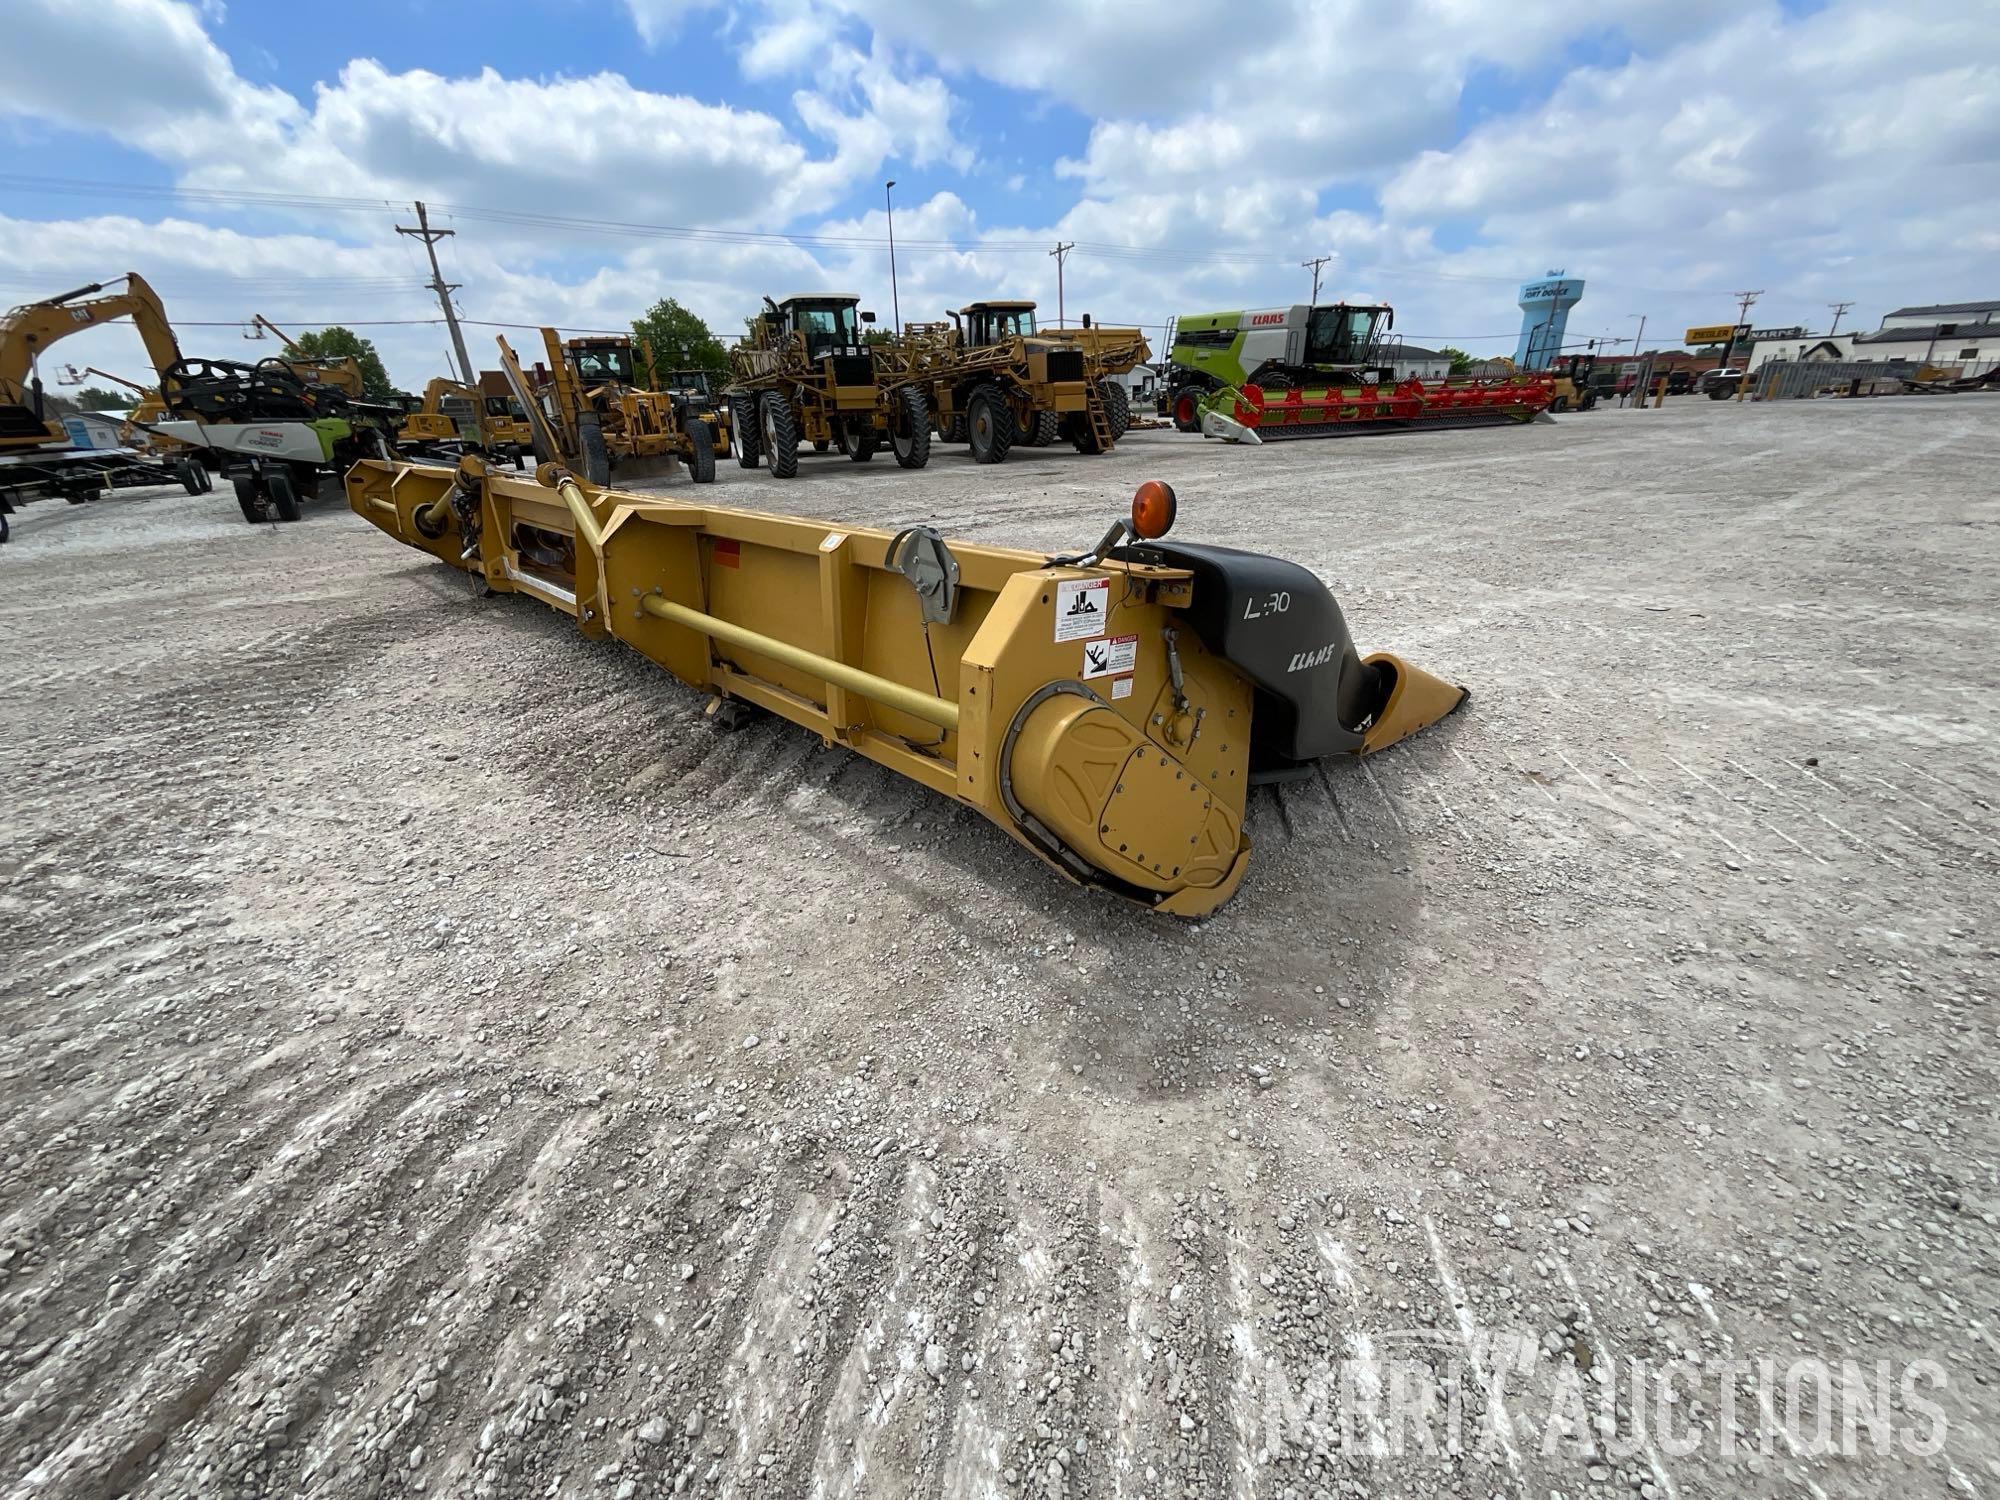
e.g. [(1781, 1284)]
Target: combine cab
[(804, 374), (1320, 372)]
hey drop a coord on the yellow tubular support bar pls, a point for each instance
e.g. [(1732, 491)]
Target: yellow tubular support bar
[(912, 701), (587, 529)]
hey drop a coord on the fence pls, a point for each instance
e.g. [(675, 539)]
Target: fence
[(1781, 380)]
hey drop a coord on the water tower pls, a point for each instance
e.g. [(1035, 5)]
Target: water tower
[(1545, 306)]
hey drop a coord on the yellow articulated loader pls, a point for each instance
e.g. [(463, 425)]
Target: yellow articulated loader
[(991, 382), (804, 374), (1108, 710), (603, 424)]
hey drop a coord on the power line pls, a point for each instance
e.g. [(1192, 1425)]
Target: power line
[(697, 233), (1093, 249), (324, 319)]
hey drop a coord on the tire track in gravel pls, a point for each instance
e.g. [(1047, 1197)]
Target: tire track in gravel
[(411, 1393), (193, 1259), (312, 1357)]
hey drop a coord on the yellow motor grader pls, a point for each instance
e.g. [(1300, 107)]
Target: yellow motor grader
[(991, 381), (805, 374), (1108, 709), (600, 423)]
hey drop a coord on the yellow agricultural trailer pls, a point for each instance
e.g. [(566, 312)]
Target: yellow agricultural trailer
[(1109, 710)]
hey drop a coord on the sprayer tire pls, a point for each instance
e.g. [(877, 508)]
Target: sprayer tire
[(743, 423), (990, 425), (1118, 405), (779, 435), (912, 445)]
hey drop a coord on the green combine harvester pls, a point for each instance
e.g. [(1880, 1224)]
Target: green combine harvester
[(1303, 371)]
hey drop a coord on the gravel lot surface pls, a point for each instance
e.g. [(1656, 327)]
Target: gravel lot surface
[(437, 1061)]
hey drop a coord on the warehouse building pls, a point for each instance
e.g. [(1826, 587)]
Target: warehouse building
[(1963, 337)]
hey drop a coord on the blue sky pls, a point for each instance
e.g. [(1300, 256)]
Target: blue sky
[(1441, 150)]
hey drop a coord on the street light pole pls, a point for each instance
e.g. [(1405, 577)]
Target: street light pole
[(895, 301)]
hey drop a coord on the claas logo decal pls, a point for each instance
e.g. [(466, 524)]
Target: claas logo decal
[(1263, 320)]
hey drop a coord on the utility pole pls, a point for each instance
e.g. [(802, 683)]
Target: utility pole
[(1061, 253), (443, 288), (895, 300), (1314, 264), (1744, 300), (1838, 309), (1639, 356)]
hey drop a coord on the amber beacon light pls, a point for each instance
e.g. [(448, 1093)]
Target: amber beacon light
[(1153, 509)]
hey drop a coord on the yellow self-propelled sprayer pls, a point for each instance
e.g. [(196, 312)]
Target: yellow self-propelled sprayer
[(1109, 710)]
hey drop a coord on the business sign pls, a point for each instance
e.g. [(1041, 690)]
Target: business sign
[(1772, 335), (1548, 291), (1715, 333)]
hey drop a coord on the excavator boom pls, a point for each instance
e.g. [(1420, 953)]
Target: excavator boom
[(27, 331)]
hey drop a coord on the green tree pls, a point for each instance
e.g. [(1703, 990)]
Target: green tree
[(99, 398), (343, 343), (678, 340), (1460, 360)]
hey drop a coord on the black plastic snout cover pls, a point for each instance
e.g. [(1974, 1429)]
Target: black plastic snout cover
[(1280, 627)]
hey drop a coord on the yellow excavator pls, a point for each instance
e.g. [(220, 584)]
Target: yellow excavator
[(338, 371), (37, 455)]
